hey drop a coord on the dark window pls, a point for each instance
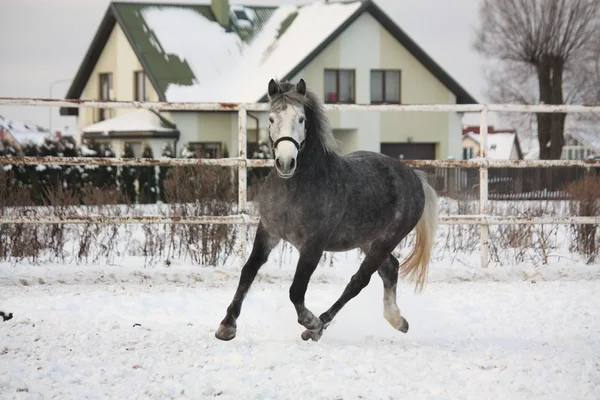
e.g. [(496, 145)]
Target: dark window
[(339, 86), (385, 86), (106, 93), (467, 153)]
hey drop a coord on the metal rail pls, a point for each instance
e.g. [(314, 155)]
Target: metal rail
[(242, 163), (254, 220)]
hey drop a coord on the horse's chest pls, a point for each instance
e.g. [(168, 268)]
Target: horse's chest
[(287, 219)]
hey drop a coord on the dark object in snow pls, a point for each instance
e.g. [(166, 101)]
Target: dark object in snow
[(5, 316), (134, 325), (318, 200)]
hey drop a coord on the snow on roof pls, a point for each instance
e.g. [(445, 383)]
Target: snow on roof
[(500, 145), (228, 70), (142, 120), (23, 132), (587, 131)]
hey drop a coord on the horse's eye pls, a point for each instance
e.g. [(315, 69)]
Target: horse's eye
[(271, 120), (301, 120)]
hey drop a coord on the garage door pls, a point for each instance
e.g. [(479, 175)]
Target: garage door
[(409, 151)]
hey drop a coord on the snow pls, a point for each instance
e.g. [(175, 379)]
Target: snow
[(500, 145), (516, 330), (588, 132), (228, 70), (23, 132), (136, 121), (466, 340)]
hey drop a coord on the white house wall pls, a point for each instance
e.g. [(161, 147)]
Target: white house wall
[(367, 45), (118, 58)]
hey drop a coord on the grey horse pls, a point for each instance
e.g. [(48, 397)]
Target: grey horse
[(320, 201)]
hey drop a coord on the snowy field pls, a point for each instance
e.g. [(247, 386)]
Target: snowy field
[(520, 333)]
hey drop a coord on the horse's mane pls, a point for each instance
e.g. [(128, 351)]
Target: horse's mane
[(317, 124)]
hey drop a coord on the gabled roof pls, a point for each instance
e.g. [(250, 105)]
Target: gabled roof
[(499, 144), (586, 131), (188, 56)]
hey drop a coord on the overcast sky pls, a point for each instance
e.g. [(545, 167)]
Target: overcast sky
[(42, 41)]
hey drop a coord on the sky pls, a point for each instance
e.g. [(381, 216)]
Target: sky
[(42, 43)]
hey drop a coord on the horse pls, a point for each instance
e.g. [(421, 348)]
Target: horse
[(318, 200)]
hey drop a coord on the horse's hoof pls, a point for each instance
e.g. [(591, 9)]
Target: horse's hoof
[(225, 332), (404, 327), (315, 334)]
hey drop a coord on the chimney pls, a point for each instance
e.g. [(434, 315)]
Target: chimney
[(220, 9)]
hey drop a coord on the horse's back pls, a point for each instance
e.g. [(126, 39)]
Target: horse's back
[(380, 191)]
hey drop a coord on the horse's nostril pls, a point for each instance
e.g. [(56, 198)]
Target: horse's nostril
[(277, 163), (293, 164)]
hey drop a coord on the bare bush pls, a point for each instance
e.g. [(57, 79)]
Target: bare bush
[(198, 191)]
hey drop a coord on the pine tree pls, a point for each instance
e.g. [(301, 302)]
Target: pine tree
[(71, 176), (167, 152), (90, 173), (147, 179), (107, 177), (17, 172), (31, 176), (49, 176), (255, 175), (128, 176)]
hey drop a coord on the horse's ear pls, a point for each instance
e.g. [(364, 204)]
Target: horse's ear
[(273, 88), (301, 87)]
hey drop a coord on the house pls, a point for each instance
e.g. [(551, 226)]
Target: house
[(581, 140), (18, 134), (348, 52), (502, 144)]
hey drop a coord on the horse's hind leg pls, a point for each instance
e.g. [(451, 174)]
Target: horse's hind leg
[(388, 271), (375, 257)]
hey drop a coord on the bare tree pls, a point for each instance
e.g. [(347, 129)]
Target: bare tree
[(548, 41)]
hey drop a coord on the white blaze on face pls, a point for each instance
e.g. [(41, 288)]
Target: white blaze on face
[(287, 123)]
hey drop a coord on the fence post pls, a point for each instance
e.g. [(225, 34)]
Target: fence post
[(483, 187), (242, 184)]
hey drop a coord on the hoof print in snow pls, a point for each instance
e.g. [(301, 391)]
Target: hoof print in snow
[(134, 325), (5, 317)]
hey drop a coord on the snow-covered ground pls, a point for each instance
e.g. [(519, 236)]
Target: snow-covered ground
[(522, 333)]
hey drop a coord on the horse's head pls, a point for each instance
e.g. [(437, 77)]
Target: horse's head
[(287, 124)]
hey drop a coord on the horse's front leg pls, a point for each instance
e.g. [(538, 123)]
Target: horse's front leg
[(310, 256), (263, 245)]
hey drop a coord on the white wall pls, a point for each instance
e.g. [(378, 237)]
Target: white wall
[(359, 47)]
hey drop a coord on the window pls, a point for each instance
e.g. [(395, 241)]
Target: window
[(106, 93), (141, 85), (206, 149), (467, 153), (339, 86), (385, 86)]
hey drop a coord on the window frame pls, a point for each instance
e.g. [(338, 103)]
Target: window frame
[(384, 72), (104, 113), (145, 94), (337, 85)]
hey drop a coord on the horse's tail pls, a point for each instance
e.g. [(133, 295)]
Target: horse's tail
[(416, 265)]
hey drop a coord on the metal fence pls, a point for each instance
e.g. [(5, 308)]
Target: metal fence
[(484, 219)]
